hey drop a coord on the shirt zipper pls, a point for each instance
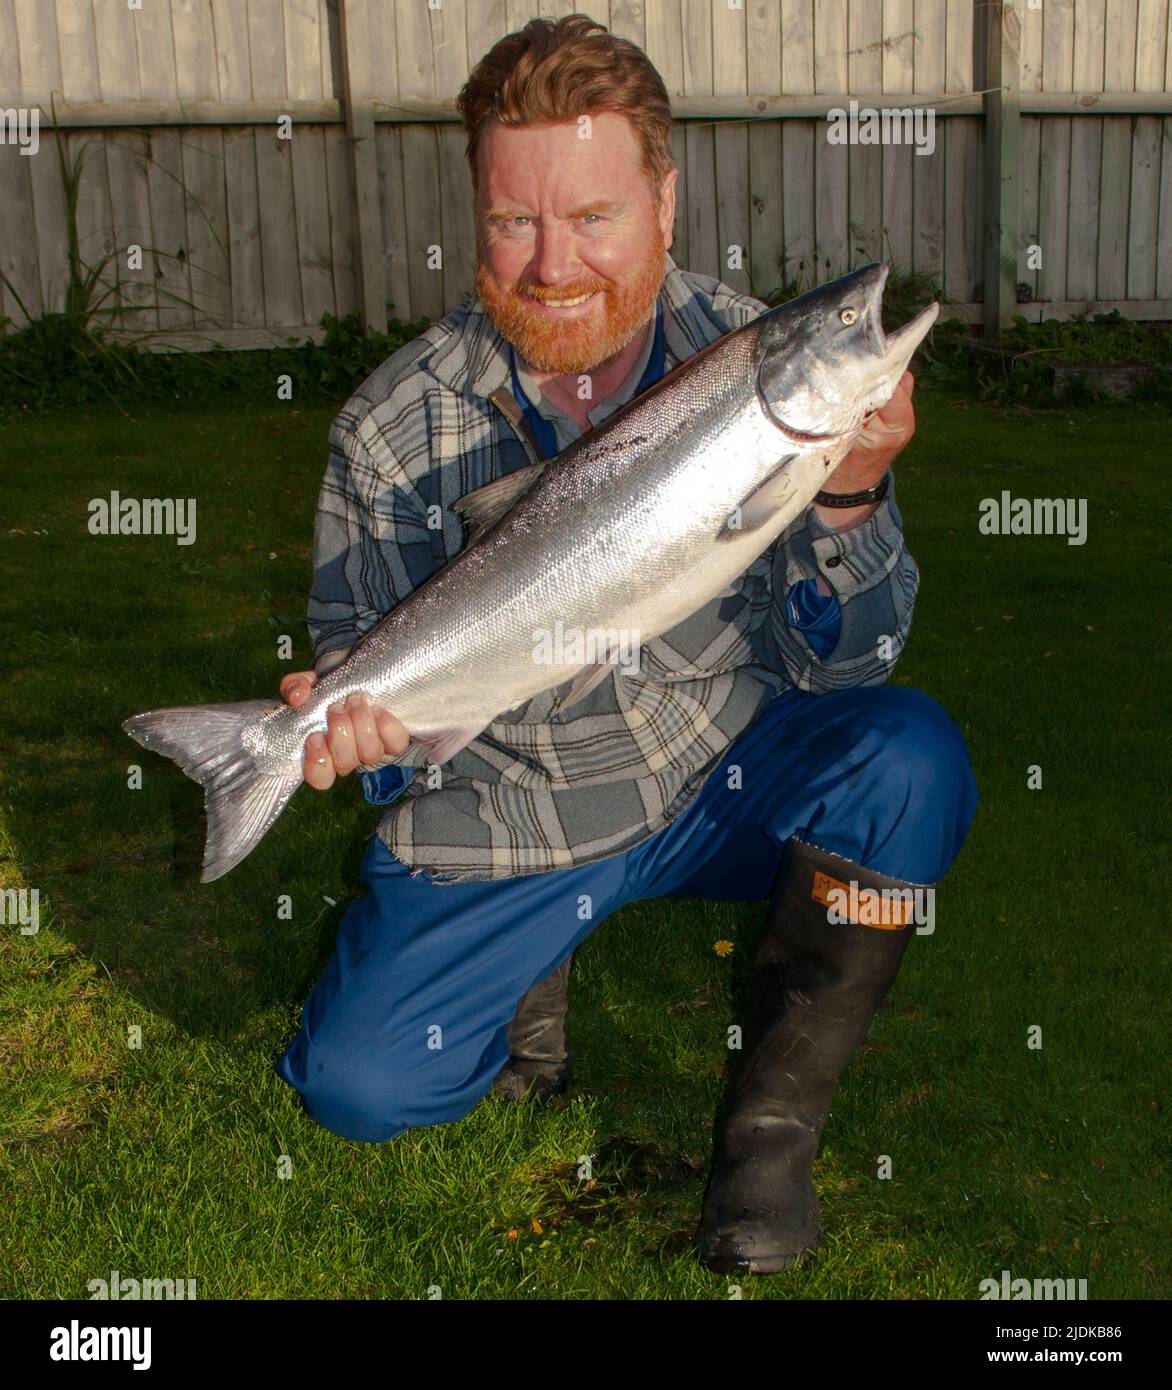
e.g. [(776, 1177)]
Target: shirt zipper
[(506, 403)]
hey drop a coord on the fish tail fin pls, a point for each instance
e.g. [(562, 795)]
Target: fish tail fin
[(241, 801)]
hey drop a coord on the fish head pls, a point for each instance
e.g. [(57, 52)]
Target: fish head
[(826, 364)]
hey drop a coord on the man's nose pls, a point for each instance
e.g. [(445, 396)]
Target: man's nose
[(555, 259)]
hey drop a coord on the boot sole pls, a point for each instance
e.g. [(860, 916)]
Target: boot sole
[(758, 1264)]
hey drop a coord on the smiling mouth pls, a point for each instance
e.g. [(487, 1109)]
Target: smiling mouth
[(565, 303)]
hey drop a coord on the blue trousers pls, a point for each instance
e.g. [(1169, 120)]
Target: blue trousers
[(407, 1025)]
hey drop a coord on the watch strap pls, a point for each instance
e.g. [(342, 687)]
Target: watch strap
[(856, 499)]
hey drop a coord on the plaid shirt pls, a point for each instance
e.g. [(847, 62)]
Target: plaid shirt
[(436, 421)]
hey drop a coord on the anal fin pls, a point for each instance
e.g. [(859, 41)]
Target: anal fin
[(448, 742), (585, 681)]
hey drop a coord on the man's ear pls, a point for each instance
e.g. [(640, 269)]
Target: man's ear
[(667, 208)]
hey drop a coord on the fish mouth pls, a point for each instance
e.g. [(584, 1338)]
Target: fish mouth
[(903, 342), (804, 436)]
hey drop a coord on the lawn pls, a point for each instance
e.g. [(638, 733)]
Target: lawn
[(185, 1157)]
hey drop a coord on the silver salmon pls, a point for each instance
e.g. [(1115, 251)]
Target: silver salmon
[(622, 536)]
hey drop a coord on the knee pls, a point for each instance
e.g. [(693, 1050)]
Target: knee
[(919, 746), (373, 1095), (348, 1100)]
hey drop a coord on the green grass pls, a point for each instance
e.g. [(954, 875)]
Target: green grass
[(163, 1161)]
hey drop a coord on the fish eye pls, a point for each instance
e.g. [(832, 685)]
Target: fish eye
[(848, 315)]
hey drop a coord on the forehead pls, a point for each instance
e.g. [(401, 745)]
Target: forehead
[(550, 164)]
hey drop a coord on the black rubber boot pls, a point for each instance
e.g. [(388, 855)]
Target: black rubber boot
[(539, 1062), (813, 991)]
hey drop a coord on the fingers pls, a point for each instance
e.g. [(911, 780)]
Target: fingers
[(357, 732), (392, 731), (899, 412), (295, 687), (317, 766), (367, 742)]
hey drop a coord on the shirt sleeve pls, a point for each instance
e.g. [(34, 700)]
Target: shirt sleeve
[(873, 581), (371, 548)]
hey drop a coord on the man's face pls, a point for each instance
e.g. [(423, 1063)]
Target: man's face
[(559, 217)]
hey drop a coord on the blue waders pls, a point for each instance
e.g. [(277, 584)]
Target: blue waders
[(407, 1025)]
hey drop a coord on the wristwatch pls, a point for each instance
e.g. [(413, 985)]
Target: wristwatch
[(856, 499)]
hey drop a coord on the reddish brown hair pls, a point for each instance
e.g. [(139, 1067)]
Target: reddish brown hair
[(557, 70)]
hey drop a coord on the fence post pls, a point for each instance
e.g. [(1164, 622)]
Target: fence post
[(359, 108), (1002, 26)]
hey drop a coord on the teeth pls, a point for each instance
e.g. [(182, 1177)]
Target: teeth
[(567, 303)]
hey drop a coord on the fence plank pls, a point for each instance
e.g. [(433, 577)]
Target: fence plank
[(1143, 214), (831, 167), (865, 73), (627, 21), (700, 142), (928, 57), (241, 202), (126, 171), (303, 43), (764, 195), (1002, 34), (394, 220), (1115, 172), (1029, 166), (1086, 147), (420, 165), (734, 216), (797, 146), (19, 257), (274, 172), (1054, 159), (207, 226), (898, 177), (664, 46)]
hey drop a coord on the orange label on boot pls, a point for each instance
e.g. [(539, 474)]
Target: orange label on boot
[(888, 909)]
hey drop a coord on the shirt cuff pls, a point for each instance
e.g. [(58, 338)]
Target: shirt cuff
[(856, 560), (386, 783)]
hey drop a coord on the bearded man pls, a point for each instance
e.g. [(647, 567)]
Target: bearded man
[(450, 974)]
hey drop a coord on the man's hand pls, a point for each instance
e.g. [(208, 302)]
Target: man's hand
[(359, 732), (883, 437)]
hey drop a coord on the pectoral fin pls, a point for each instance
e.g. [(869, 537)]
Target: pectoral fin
[(761, 504), (482, 509)]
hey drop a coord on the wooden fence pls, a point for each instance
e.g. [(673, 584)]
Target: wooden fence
[(1053, 129)]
